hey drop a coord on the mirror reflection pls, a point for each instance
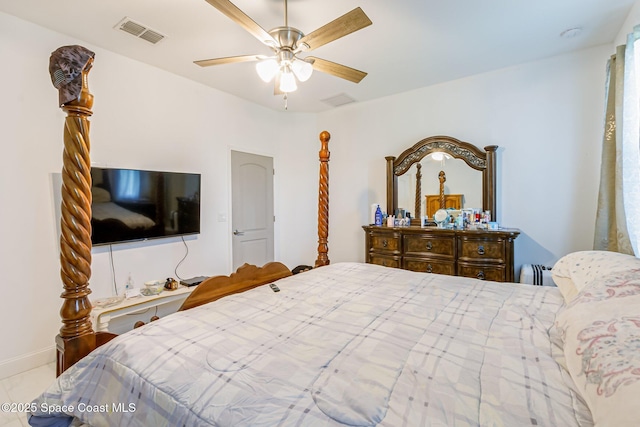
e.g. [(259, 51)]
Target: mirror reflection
[(459, 179)]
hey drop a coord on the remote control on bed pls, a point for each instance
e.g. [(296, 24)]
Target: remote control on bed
[(274, 287)]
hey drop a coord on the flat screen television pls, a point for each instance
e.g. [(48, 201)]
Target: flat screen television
[(129, 205)]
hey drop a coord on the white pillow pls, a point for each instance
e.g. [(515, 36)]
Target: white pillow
[(600, 332), (574, 271)]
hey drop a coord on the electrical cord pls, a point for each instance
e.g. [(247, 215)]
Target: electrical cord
[(175, 271), (113, 270)]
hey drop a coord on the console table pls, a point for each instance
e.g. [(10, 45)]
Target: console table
[(100, 317), (483, 254)]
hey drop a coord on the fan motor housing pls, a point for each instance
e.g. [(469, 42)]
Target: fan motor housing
[(287, 36)]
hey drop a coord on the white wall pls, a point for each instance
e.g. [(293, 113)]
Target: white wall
[(297, 190), (545, 116), (632, 20)]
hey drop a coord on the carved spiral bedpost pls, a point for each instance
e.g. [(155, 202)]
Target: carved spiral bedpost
[(323, 201), (69, 67), (76, 333), (442, 178)]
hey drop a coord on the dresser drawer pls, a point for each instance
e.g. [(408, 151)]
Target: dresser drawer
[(385, 260), (430, 245), (482, 272), (429, 266), (483, 250), (483, 254), (385, 242)]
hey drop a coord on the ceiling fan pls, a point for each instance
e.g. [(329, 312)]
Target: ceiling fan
[(287, 43)]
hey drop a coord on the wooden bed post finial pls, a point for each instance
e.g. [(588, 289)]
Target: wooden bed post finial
[(323, 201), (69, 68)]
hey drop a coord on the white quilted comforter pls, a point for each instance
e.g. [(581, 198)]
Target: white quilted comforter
[(347, 344)]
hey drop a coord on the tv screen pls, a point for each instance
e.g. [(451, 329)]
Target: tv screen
[(129, 205)]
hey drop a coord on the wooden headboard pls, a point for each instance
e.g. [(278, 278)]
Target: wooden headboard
[(77, 337)]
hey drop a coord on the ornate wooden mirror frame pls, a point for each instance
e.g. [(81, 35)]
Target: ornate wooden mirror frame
[(484, 161)]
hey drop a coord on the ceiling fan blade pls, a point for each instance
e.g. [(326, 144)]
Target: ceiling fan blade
[(235, 14), (228, 60), (340, 27), (337, 70)]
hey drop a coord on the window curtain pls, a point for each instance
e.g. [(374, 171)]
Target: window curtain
[(618, 212)]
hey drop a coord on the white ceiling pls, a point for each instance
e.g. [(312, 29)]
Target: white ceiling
[(411, 44)]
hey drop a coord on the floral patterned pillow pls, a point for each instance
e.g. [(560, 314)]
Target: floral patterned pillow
[(576, 270), (600, 332)]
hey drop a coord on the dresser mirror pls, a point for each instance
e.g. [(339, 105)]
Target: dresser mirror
[(470, 172), (460, 180)]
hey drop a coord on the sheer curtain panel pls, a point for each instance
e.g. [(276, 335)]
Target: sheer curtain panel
[(618, 212)]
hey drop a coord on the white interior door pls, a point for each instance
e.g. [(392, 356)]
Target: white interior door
[(252, 208)]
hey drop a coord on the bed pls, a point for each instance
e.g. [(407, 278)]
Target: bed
[(348, 343), (360, 344)]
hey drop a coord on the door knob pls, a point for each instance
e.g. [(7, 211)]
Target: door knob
[(238, 233)]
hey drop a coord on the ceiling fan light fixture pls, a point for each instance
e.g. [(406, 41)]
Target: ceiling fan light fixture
[(287, 81), (267, 69), (302, 69), (286, 42)]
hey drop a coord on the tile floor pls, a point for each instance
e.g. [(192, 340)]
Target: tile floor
[(23, 388)]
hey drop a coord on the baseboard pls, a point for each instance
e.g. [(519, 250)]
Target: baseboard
[(27, 362)]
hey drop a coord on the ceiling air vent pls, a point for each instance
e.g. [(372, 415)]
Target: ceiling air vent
[(339, 100), (141, 31)]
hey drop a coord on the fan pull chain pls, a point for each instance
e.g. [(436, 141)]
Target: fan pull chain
[(285, 101)]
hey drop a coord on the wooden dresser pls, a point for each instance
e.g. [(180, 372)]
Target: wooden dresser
[(482, 254)]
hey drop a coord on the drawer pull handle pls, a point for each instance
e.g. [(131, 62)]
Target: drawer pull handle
[(429, 268), (385, 243), (480, 275), (481, 250), (429, 246)]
